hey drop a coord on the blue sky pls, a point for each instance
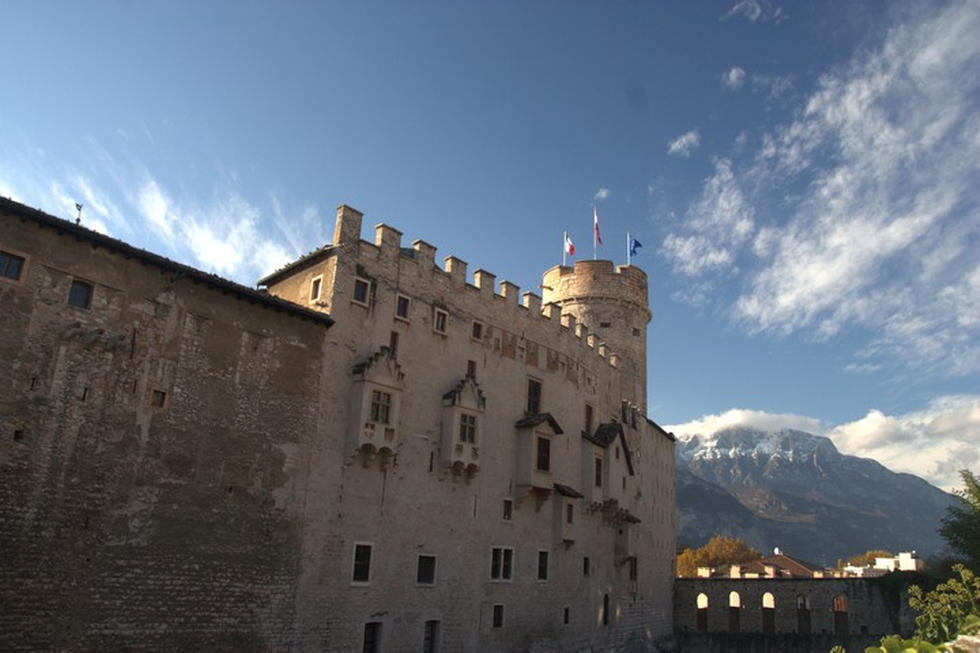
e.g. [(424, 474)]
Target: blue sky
[(803, 178)]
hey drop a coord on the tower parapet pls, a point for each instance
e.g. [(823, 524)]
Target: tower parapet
[(613, 302)]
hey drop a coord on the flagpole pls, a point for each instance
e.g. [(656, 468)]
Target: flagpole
[(564, 239), (595, 218), (627, 248)]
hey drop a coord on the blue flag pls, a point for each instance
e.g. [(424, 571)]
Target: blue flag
[(634, 245)]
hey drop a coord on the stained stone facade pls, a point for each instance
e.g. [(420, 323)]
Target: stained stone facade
[(371, 452)]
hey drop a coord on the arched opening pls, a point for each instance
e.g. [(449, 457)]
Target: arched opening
[(840, 615), (734, 612), (803, 615), (702, 613), (768, 613)]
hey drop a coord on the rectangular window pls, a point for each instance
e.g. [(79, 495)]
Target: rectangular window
[(372, 637), (426, 572), (508, 509), (467, 428), (315, 288), (362, 564), (439, 321), (361, 288), (80, 294), (471, 369), (586, 563), (588, 419), (598, 472), (533, 397), (565, 616), (633, 569), (393, 343), (477, 330), (498, 616), (544, 455), (569, 513), (542, 565), (430, 639), (502, 563), (380, 406), (158, 399), (10, 265), (624, 484), (401, 307)]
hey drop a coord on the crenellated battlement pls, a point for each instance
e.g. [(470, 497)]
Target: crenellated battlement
[(597, 280)]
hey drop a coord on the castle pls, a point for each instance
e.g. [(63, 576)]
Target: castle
[(368, 453)]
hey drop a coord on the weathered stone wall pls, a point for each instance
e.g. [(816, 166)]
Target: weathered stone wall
[(871, 612), (225, 517)]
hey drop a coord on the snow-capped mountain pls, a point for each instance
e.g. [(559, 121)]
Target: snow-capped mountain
[(795, 490)]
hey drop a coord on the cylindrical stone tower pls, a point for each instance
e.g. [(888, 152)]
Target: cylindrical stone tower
[(612, 303)]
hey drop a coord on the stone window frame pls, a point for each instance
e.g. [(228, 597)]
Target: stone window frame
[(22, 257), (381, 404), (408, 307), (370, 566), (469, 427), (435, 570), (507, 510), (534, 399), (72, 298), (316, 288), (361, 282), (497, 615), (502, 564), (545, 567), (436, 314), (477, 330), (540, 438)]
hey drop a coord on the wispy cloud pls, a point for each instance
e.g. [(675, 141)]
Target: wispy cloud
[(864, 211), (933, 443), (734, 78), (684, 144), (601, 194), (756, 10)]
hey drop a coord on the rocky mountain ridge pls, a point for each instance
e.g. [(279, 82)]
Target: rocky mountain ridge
[(795, 490)]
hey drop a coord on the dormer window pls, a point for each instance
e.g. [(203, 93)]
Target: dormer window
[(315, 286), (461, 409), (376, 403)]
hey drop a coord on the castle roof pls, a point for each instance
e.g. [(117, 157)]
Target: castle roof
[(529, 421), (306, 259), (178, 270)]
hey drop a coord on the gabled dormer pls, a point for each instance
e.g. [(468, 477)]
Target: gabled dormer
[(463, 409), (536, 451), (606, 461), (375, 407)]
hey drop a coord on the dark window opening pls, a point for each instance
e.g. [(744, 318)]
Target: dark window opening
[(380, 406), (393, 343), (533, 397), (502, 563), (159, 398), (430, 637), (80, 294), (605, 325), (10, 265), (362, 563), (315, 289), (18, 435), (84, 394), (439, 321), (542, 565), (426, 572), (471, 369), (569, 513), (636, 332), (477, 330), (565, 615), (633, 568), (588, 419), (605, 609), (598, 472), (361, 291), (372, 637), (585, 566), (401, 307), (467, 428), (498, 616), (544, 455), (508, 509)]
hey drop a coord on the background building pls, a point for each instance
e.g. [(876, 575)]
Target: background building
[(373, 453)]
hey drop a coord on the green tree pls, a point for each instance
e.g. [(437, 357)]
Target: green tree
[(952, 607), (961, 525)]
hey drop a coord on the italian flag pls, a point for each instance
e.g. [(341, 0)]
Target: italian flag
[(569, 245)]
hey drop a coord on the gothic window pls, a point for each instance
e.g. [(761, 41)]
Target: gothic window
[(380, 406), (467, 428)]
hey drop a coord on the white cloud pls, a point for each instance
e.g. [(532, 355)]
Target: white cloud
[(756, 10), (933, 443), (684, 144), (756, 419), (734, 78), (775, 86), (601, 194), (153, 205), (866, 202)]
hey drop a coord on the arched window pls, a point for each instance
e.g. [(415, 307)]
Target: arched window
[(768, 613), (734, 611), (803, 615), (702, 612), (840, 615)]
